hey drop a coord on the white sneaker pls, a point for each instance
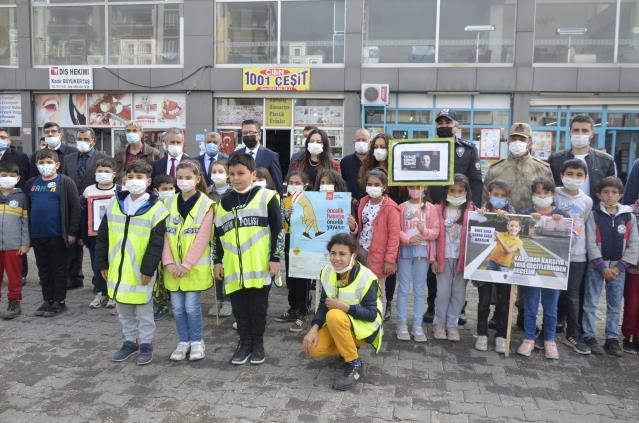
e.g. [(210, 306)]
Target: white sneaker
[(226, 310), (197, 351), (99, 301), (481, 344), (402, 333), (180, 352), (500, 345), (235, 325), (418, 334), (212, 311), (110, 304)]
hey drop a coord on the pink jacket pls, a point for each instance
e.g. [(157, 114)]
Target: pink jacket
[(386, 228), (441, 242), (431, 228)]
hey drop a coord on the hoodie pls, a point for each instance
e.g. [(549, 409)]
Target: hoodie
[(613, 239), (14, 221), (578, 208)]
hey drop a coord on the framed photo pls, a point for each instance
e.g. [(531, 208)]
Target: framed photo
[(97, 207), (421, 162)]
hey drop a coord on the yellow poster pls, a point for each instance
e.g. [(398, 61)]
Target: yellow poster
[(279, 112), (276, 79)]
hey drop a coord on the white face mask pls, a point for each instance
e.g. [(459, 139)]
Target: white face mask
[(186, 184), (455, 201), (572, 183), (103, 177), (136, 186), (327, 188), (243, 191), (315, 148), (542, 202), (260, 183), (380, 154), (350, 265), (52, 142), (292, 189), (174, 150), (46, 170), (219, 178), (580, 141), (83, 146), (166, 194), (361, 147), (8, 182), (518, 148), (374, 192)]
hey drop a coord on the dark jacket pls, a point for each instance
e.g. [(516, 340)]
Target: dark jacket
[(631, 193), (148, 154), (350, 172), (22, 160), (270, 160), (69, 206), (599, 166), (159, 166), (612, 238), (71, 170), (62, 151), (466, 162), (207, 172)]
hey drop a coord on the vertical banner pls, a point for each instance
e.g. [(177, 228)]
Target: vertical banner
[(279, 112), (10, 110), (316, 217)]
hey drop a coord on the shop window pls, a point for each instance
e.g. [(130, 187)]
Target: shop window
[(230, 112), (625, 120), (8, 34), (415, 117), (376, 116), (491, 118), (629, 32), (543, 118)]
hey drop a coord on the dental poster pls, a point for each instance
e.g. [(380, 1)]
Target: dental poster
[(67, 110), (160, 110), (110, 110)]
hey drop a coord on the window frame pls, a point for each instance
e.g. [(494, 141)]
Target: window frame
[(13, 6)]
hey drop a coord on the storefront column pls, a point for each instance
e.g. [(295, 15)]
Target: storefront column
[(521, 107), (352, 120), (199, 116)]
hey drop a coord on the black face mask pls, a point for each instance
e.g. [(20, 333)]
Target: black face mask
[(250, 141), (445, 132)]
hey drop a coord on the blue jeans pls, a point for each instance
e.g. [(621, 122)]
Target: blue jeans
[(614, 295), (187, 312), (549, 300), (414, 269), (99, 284), (491, 265)]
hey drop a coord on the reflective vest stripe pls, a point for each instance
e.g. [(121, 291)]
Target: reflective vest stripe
[(260, 211), (248, 243), (132, 288), (248, 275)]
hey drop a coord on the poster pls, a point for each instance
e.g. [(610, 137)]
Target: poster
[(160, 110), (96, 207), (276, 79), (77, 77), (229, 142), (278, 112), (317, 216), (519, 250), (67, 110), (10, 111), (319, 115), (421, 162), (542, 144), (109, 110), (234, 114), (489, 143)]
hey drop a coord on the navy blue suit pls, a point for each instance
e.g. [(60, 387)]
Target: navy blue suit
[(200, 159), (159, 166), (270, 160)]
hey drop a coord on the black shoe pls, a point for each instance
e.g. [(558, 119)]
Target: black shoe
[(387, 313), (462, 319), (288, 316), (242, 353), (320, 233), (352, 375), (55, 309), (611, 346), (577, 344), (629, 345), (75, 285), (257, 353), (42, 309), (306, 235), (429, 315), (595, 348)]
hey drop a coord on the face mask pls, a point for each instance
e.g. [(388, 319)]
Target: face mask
[(380, 154), (103, 178), (315, 148), (498, 203), (361, 147), (415, 194), (518, 148), (186, 184), (8, 182), (572, 183), (132, 137), (374, 192), (259, 183), (444, 132), (250, 141), (219, 178), (52, 142), (580, 141), (174, 150), (455, 201), (327, 188), (542, 202), (211, 149), (222, 190), (83, 146), (46, 170), (136, 186), (350, 265), (164, 195), (292, 189), (4, 144), (243, 191)]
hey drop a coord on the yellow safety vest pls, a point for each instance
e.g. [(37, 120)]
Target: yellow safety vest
[(128, 241), (352, 294), (246, 239), (181, 234)]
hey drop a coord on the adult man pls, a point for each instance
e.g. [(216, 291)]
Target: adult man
[(211, 155), (599, 163), (53, 138), (251, 137), (350, 164), (167, 165), (136, 149)]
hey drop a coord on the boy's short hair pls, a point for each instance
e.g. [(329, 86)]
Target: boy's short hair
[(106, 162), (343, 239), (546, 184), (243, 159), (163, 179), (573, 164), (583, 119), (9, 167), (139, 166), (612, 182), (3, 129), (500, 184), (51, 125), (46, 153)]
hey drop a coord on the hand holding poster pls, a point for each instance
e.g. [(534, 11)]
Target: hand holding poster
[(519, 250), (316, 217)]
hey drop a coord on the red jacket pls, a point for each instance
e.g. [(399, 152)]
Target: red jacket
[(441, 242), (385, 238)]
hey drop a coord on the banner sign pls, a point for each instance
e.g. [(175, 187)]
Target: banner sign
[(279, 112), (70, 77), (10, 110), (276, 79), (316, 217)]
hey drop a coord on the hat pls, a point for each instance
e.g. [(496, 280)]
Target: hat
[(447, 113), (521, 128)]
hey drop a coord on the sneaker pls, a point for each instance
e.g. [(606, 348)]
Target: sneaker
[(550, 348), (418, 334), (99, 301), (594, 346), (481, 344), (287, 316), (146, 354), (226, 310), (234, 325), (212, 311), (257, 353), (628, 345), (576, 344), (161, 314), (387, 313), (462, 319), (453, 333), (13, 310), (242, 353), (429, 315), (526, 348), (402, 333), (539, 343), (611, 346), (127, 350), (439, 332), (180, 352), (110, 304), (500, 345), (42, 309), (352, 375), (55, 309), (197, 350), (24, 280), (298, 325)]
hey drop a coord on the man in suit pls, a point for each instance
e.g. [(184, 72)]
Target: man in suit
[(53, 138), (174, 143), (211, 155), (251, 137)]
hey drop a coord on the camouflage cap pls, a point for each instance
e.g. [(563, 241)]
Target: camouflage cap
[(521, 128)]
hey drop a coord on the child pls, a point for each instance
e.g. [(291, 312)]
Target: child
[(14, 236), (186, 257), (449, 265), (298, 288), (54, 199), (164, 186), (571, 200), (613, 246), (378, 228), (128, 250), (543, 190), (332, 181), (419, 230), (103, 188), (263, 178), (249, 267)]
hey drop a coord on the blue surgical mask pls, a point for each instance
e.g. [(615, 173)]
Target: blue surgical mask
[(132, 137), (3, 145), (211, 149), (498, 202)]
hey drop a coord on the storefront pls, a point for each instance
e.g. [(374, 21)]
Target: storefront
[(11, 116)]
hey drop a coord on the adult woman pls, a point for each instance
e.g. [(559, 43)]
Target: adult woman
[(316, 156)]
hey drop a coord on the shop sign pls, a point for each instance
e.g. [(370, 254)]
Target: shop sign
[(276, 79), (279, 111), (70, 78), (10, 110)]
